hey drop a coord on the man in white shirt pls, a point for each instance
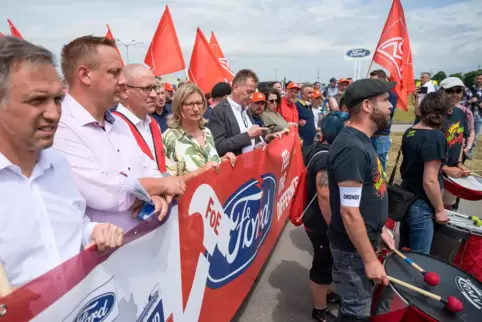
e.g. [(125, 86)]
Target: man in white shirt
[(138, 100), (42, 220), (104, 156), (425, 88), (231, 126)]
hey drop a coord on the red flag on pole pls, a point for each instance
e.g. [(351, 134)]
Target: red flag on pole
[(13, 30), (204, 69), (164, 55), (394, 54), (110, 36), (218, 53)]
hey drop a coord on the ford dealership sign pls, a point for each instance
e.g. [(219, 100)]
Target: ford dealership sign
[(357, 54)]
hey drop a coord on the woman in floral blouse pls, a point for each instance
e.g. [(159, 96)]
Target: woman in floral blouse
[(188, 144)]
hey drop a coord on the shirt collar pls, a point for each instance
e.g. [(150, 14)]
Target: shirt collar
[(80, 114), (131, 116), (45, 162), (234, 104)]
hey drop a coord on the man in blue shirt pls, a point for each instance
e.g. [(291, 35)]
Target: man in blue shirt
[(381, 139), (307, 128)]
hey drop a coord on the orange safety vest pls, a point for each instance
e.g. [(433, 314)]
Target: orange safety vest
[(156, 137)]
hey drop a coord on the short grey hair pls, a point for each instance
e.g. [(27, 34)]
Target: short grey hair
[(14, 51)]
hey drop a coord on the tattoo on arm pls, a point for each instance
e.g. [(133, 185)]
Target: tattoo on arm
[(323, 183)]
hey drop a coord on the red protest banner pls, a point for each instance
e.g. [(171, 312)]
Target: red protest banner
[(211, 246)]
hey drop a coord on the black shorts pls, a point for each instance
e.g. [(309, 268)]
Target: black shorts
[(320, 271)]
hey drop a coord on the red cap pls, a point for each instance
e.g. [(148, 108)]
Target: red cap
[(168, 87), (293, 85), (258, 97), (343, 80), (316, 93)]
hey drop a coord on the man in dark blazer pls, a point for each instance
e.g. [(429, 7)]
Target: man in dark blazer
[(231, 126)]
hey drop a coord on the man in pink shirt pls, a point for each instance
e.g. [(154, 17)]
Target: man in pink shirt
[(104, 156)]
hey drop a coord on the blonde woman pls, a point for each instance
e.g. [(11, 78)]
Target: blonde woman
[(188, 144)]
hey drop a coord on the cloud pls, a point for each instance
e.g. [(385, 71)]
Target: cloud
[(287, 38)]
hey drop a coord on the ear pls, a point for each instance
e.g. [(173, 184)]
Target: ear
[(83, 74), (367, 106)]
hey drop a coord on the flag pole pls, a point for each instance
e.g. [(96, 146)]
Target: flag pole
[(187, 74)]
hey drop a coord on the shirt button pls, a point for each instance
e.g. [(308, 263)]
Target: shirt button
[(129, 169), (118, 150)]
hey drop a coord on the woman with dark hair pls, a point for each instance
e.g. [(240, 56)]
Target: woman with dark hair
[(270, 116), (424, 149)]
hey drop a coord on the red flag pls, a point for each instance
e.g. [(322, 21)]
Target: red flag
[(394, 54), (204, 69), (218, 53), (1, 35), (164, 55), (13, 30), (110, 36)]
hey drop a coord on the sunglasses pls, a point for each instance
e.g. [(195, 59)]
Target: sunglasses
[(272, 101), (454, 90)]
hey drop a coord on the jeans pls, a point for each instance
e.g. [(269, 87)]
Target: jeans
[(416, 229), (352, 284), (382, 145)]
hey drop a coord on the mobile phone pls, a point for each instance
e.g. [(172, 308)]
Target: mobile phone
[(423, 90)]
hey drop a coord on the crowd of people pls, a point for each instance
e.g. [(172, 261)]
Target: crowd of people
[(72, 149)]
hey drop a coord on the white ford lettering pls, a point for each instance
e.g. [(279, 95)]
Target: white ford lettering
[(350, 196)]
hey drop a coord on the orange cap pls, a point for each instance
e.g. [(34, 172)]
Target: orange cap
[(168, 87), (343, 80), (258, 97), (293, 85), (316, 93)]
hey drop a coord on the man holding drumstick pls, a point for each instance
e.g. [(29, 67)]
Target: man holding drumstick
[(358, 199)]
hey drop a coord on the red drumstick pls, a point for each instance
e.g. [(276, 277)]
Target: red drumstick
[(431, 278), (452, 304)]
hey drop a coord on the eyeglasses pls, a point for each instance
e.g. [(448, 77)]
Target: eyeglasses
[(147, 89), (190, 105), (454, 90), (272, 101)]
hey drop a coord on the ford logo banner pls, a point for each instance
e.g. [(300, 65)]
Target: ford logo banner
[(358, 53), (97, 309), (251, 210)]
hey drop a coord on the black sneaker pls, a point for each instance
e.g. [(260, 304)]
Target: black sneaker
[(333, 298), (323, 315)]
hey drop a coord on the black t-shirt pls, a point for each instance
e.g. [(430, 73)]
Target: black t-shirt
[(420, 146), (352, 158), (318, 161), (455, 129)]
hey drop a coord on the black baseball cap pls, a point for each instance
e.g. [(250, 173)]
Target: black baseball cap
[(366, 88)]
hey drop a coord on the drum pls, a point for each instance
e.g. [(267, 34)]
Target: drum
[(397, 303), (468, 188), (459, 242)]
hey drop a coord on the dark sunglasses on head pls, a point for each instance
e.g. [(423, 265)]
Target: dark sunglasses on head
[(272, 101), (454, 90)]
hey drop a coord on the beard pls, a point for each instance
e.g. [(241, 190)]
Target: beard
[(381, 120)]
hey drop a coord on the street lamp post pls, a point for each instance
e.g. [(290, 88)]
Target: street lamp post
[(127, 45)]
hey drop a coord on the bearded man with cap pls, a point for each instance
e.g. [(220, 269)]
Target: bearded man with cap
[(287, 107), (256, 109), (358, 199)]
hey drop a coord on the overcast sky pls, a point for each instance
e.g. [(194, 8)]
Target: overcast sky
[(295, 39)]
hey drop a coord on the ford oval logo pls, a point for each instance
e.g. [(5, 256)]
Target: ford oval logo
[(250, 208), (358, 53), (97, 309), (471, 292)]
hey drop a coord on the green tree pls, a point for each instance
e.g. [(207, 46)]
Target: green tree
[(469, 78), (459, 75), (440, 76)]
